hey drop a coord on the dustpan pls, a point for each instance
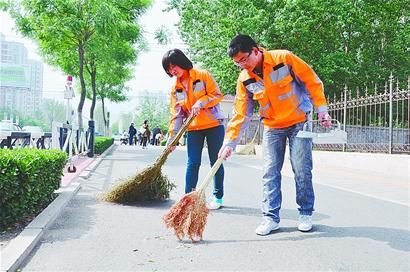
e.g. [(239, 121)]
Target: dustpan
[(323, 135)]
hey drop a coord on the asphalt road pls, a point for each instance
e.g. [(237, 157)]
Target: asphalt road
[(353, 231)]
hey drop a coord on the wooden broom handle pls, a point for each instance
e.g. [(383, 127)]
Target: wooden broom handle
[(210, 175), (256, 133), (182, 130)]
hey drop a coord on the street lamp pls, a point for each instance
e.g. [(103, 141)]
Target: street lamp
[(68, 95)]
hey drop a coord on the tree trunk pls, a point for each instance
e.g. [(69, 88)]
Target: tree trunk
[(83, 88), (94, 97)]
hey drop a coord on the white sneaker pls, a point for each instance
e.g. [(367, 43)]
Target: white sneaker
[(305, 222), (266, 227), (214, 203)]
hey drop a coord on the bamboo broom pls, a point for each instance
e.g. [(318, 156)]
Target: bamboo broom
[(188, 216), (248, 149), (150, 183)]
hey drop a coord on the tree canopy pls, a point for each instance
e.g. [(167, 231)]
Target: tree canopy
[(75, 35), (354, 42)]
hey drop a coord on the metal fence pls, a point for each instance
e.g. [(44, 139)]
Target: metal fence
[(375, 120)]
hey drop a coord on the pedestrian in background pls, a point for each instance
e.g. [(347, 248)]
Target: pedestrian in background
[(155, 132), (145, 133), (131, 132)]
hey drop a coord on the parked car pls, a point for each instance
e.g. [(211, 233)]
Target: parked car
[(7, 127), (36, 132)]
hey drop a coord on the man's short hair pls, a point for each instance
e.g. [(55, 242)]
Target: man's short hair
[(176, 57), (241, 43)]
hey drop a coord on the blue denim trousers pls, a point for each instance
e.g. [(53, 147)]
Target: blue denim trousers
[(274, 144), (195, 143), (130, 139)]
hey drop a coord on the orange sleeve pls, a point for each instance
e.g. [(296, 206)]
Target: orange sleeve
[(213, 95), (309, 78), (243, 110), (177, 117)]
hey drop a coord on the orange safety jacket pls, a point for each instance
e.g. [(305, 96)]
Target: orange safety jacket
[(203, 91), (285, 94)]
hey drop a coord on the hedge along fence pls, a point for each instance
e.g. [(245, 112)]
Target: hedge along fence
[(102, 143), (28, 179)]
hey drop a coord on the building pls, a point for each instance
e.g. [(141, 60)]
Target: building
[(21, 79)]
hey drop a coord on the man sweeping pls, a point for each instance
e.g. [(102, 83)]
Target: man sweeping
[(285, 88)]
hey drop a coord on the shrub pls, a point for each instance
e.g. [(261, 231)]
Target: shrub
[(102, 143), (28, 179)]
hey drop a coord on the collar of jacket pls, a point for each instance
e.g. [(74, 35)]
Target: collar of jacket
[(192, 74), (267, 62)]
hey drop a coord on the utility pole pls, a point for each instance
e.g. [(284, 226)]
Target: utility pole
[(107, 127)]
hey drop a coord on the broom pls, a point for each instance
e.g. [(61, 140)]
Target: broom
[(188, 216), (150, 183), (248, 149)]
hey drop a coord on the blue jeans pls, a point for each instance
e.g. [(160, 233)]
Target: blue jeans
[(195, 143), (274, 143), (130, 139)]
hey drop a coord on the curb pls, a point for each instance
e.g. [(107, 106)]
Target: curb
[(97, 161), (13, 255), (21, 246)]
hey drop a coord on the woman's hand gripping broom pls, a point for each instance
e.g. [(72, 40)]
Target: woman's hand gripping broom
[(188, 216), (150, 183)]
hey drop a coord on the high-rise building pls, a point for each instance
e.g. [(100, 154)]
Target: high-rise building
[(21, 79)]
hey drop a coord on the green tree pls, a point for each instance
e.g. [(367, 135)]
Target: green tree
[(52, 111), (114, 47), (115, 128), (48, 111), (354, 42), (153, 109), (125, 120), (66, 29), (109, 83), (207, 33), (24, 120)]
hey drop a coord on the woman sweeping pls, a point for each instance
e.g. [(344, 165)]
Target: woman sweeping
[(196, 92)]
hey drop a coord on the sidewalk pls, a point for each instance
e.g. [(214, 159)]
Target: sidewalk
[(13, 251), (80, 163), (91, 235)]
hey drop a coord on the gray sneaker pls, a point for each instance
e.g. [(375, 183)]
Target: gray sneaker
[(305, 223), (266, 227)]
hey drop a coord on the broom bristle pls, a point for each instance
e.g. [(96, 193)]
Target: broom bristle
[(198, 219), (150, 184), (147, 185), (176, 218), (188, 217), (248, 149)]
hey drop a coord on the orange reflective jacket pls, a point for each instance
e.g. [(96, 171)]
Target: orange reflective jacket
[(203, 91), (285, 94)]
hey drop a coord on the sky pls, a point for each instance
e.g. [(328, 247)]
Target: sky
[(149, 74)]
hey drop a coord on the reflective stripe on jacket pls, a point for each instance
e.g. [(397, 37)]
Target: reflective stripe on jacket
[(285, 94), (203, 91)]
